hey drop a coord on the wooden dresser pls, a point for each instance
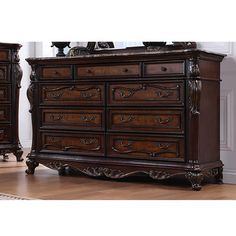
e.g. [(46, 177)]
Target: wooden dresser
[(10, 79), (126, 113)]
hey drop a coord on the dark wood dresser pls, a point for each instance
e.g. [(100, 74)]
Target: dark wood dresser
[(126, 113), (10, 79)]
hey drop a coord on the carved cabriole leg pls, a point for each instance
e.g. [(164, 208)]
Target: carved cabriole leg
[(32, 164), (18, 153), (195, 179)]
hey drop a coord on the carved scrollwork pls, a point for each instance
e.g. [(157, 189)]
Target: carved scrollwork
[(101, 171), (15, 55), (117, 173), (193, 67), (30, 96), (159, 175), (195, 87), (57, 165), (18, 75), (31, 88)]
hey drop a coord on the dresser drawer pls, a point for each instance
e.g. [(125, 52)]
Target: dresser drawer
[(56, 72), (5, 113), (76, 143), (147, 148), (5, 55), (130, 70), (164, 69), (163, 121), (5, 93), (83, 119), (4, 73), (5, 133), (77, 94), (146, 93)]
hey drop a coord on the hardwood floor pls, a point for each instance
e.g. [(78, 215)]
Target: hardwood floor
[(48, 185)]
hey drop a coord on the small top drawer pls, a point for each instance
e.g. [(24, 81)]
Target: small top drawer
[(162, 69), (56, 72), (131, 70), (5, 55)]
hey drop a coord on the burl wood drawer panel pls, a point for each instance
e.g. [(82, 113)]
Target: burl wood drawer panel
[(77, 94), (4, 74), (146, 93), (164, 69), (83, 119), (5, 133), (56, 72), (5, 113), (131, 70), (5, 93), (147, 148), (79, 143), (167, 121), (5, 55)]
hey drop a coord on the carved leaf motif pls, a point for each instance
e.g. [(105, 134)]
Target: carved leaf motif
[(195, 87)]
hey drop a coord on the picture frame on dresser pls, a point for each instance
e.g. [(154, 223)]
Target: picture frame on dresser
[(125, 112), (10, 84)]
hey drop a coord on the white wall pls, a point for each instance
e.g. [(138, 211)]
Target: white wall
[(228, 91)]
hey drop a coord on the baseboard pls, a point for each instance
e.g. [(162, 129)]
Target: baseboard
[(229, 176), (26, 143)]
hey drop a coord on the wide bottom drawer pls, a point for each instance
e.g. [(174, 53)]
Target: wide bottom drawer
[(73, 143), (147, 148)]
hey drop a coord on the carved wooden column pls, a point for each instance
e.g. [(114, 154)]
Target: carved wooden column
[(31, 93)]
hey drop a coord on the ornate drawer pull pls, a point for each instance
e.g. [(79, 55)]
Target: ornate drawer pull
[(56, 117), (56, 72), (163, 69), (164, 94), (164, 121), (163, 146), (89, 71), (125, 70), (126, 119), (87, 118)]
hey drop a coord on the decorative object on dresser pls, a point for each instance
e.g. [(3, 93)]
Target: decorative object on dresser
[(125, 112), (60, 46), (10, 80)]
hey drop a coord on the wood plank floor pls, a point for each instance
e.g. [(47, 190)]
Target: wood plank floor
[(48, 185)]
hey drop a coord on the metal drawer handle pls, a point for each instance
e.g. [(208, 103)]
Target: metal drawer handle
[(163, 68), (125, 70), (164, 121), (89, 71), (56, 72)]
